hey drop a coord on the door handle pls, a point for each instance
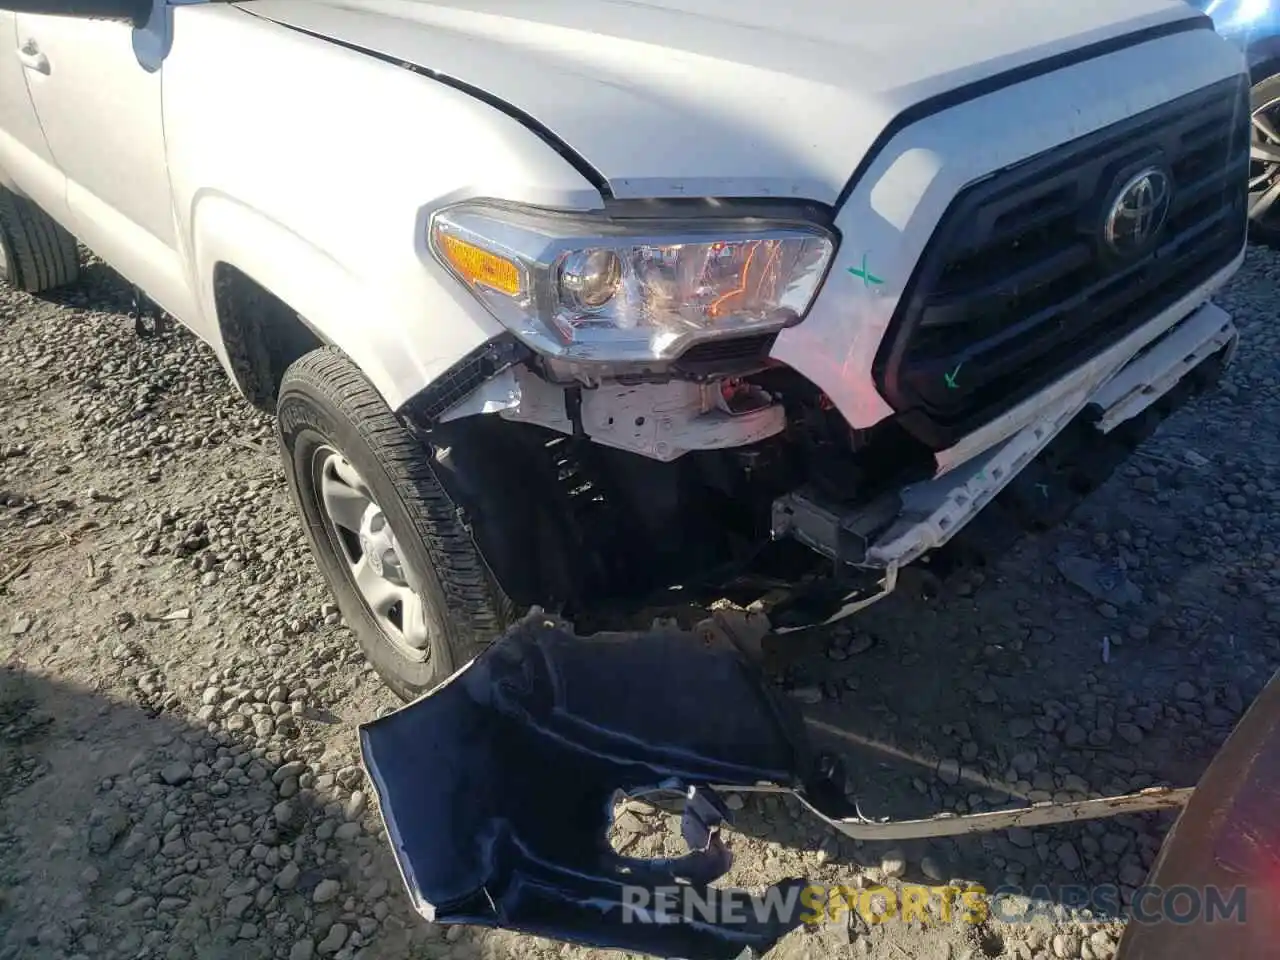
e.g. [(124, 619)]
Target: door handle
[(29, 56)]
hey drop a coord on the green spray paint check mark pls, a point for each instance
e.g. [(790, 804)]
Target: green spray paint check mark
[(866, 276), (950, 378)]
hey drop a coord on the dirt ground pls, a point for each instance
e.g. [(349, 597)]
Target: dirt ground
[(178, 697)]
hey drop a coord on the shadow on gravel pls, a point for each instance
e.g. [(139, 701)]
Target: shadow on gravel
[(129, 833), (99, 288)]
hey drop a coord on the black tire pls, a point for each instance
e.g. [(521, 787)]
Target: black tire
[(325, 400), (38, 253), (1264, 226)]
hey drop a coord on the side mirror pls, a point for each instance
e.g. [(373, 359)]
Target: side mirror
[(136, 12)]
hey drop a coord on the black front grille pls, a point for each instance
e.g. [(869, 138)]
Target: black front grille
[(1017, 287)]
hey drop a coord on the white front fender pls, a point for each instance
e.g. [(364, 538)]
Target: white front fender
[(400, 342), (313, 170)]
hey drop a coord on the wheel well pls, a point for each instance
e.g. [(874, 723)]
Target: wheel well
[(262, 334), (1263, 70), (1266, 54)]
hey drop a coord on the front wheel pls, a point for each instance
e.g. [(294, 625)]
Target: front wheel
[(1264, 156), (405, 573)]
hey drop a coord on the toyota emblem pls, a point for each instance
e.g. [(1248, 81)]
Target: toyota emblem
[(1137, 212)]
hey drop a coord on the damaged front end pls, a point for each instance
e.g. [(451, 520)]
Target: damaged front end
[(733, 476), (497, 789), (789, 404), (734, 479), (1024, 471)]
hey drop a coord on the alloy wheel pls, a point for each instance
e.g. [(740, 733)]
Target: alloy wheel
[(1264, 167), (359, 528)]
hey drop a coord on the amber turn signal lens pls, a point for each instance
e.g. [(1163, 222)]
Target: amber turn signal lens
[(476, 265)]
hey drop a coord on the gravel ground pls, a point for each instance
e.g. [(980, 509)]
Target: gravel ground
[(178, 698)]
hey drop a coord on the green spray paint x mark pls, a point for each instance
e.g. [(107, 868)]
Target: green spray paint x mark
[(950, 378), (865, 275)]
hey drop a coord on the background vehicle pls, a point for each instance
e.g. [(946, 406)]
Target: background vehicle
[(1255, 26), (1224, 843), (904, 276)]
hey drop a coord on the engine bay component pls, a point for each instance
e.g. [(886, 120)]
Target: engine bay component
[(659, 421)]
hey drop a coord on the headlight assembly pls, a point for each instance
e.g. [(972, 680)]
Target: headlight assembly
[(588, 288)]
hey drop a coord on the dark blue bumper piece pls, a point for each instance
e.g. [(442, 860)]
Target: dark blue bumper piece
[(498, 787)]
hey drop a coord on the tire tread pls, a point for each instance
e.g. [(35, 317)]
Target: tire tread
[(42, 255), (477, 607)]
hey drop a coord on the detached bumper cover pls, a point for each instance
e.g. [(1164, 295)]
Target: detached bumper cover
[(497, 788)]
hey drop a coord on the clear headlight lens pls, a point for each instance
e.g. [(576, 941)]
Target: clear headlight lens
[(588, 288)]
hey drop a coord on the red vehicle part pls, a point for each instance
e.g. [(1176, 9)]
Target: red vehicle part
[(1223, 850)]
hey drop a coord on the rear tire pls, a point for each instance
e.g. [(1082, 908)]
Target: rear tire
[(36, 253), (326, 405)]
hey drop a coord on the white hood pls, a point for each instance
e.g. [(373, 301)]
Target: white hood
[(668, 98)]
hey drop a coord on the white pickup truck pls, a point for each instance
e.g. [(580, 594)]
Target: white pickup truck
[(574, 302)]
